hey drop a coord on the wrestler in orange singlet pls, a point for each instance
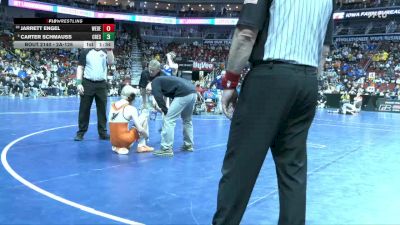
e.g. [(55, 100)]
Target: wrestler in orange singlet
[(121, 113)]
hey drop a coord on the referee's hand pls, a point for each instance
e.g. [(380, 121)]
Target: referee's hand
[(80, 89), (229, 99)]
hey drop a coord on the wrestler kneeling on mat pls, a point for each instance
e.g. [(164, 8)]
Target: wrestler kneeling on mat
[(121, 113)]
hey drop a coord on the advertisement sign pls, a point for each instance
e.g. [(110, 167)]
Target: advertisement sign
[(74, 11), (203, 66), (196, 21), (225, 21), (32, 5), (364, 38), (389, 105), (217, 41), (116, 16), (386, 13)]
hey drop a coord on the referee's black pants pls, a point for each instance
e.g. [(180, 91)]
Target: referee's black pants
[(93, 90), (275, 110)]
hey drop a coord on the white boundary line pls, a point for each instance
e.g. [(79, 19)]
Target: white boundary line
[(353, 127), (39, 112), (49, 194), (350, 122), (318, 169)]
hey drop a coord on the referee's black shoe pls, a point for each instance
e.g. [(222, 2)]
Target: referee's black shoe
[(78, 137), (104, 136)]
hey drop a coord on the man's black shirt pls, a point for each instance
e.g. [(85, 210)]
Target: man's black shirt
[(171, 87), (144, 79)]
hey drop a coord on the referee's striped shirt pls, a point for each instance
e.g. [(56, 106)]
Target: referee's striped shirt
[(289, 30), (95, 63)]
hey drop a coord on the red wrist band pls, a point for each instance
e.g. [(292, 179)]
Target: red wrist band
[(230, 80)]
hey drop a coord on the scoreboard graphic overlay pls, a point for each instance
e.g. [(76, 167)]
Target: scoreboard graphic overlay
[(64, 33)]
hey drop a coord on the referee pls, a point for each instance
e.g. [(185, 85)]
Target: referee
[(91, 82), (284, 40)]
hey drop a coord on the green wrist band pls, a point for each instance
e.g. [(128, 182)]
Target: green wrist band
[(78, 81)]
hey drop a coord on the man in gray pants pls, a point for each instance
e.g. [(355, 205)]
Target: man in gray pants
[(184, 94)]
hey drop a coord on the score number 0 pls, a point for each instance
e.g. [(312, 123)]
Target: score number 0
[(108, 27)]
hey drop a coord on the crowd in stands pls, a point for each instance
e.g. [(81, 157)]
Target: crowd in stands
[(366, 4), (384, 26), (369, 68), (52, 72), (366, 68), (199, 32), (186, 52)]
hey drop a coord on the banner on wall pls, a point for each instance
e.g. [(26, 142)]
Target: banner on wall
[(394, 37), (217, 41), (185, 65), (385, 13), (203, 66), (388, 105)]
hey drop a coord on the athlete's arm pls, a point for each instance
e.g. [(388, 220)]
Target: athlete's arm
[(174, 66), (136, 122)]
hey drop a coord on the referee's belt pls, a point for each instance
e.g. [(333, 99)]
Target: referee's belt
[(261, 62), (277, 62), (94, 81)]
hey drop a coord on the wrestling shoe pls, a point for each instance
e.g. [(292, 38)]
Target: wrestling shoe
[(167, 152), (187, 148), (144, 148), (104, 136), (120, 151), (78, 137)]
